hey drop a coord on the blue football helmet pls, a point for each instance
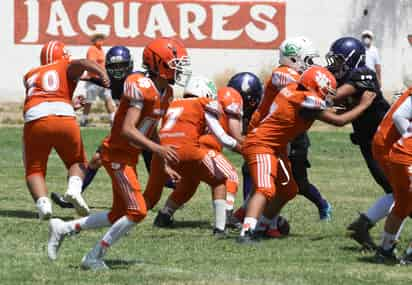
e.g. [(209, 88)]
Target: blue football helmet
[(345, 54), (250, 88), (119, 62)]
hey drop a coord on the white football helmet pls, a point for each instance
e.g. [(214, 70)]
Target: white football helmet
[(200, 86), (297, 53)]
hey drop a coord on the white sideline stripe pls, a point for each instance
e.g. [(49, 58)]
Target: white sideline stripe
[(125, 187)]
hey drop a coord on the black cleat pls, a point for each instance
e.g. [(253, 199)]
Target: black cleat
[(219, 234), (163, 220), (249, 238), (386, 256), (232, 221), (359, 231), (406, 259), (59, 200)]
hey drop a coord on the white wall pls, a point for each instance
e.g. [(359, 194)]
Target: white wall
[(321, 20)]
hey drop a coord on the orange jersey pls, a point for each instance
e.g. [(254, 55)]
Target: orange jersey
[(281, 76), (232, 104), (48, 83), (387, 134), (283, 122), (401, 151), (97, 55), (184, 123), (139, 92)]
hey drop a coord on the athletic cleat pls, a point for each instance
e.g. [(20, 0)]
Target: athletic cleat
[(359, 231), (219, 234), (273, 233), (232, 221), (325, 214), (56, 237), (78, 202), (94, 264), (386, 256), (59, 200), (406, 259), (163, 220), (248, 238)]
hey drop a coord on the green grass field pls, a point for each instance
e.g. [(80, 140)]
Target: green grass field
[(315, 252)]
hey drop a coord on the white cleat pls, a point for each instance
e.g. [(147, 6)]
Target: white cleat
[(78, 202), (44, 208), (89, 262), (57, 233)]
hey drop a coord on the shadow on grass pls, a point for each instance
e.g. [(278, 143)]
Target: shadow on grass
[(191, 224), (371, 259), (22, 214), (114, 264)]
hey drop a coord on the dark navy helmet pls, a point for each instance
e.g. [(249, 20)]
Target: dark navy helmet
[(119, 62), (250, 88), (345, 54)]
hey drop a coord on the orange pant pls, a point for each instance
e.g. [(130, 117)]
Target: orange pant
[(127, 196), (272, 175), (400, 180), (42, 135), (187, 188), (207, 170)]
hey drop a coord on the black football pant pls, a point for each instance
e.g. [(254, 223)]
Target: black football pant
[(374, 169)]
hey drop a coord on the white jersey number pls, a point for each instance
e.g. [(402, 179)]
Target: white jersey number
[(171, 117), (50, 82)]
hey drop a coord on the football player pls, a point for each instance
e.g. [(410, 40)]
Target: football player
[(296, 55), (392, 150), (50, 123), (346, 60), (292, 112), (231, 121), (119, 65), (185, 122), (145, 99)]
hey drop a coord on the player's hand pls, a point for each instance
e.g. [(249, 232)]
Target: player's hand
[(238, 148), (168, 154), (367, 98), (172, 174), (79, 102), (105, 80)]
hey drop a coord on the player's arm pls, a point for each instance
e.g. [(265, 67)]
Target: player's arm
[(343, 92), (235, 128), (78, 66), (217, 130), (403, 116), (137, 138), (340, 120)]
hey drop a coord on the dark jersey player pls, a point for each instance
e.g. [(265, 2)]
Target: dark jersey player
[(346, 60)]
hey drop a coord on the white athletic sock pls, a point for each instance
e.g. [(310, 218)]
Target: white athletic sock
[(263, 223), (248, 223), (98, 220), (388, 240), (219, 207), (44, 207), (380, 209), (117, 230), (75, 185), (168, 211), (230, 201)]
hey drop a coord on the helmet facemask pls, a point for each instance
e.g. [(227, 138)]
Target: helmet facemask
[(119, 70), (182, 70)]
